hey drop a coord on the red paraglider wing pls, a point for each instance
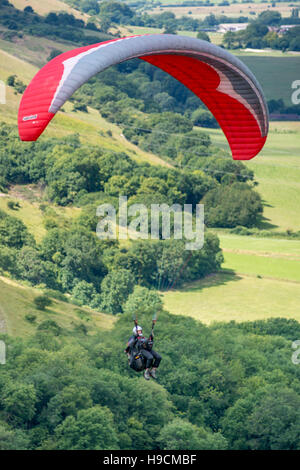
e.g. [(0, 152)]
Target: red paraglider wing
[(220, 80)]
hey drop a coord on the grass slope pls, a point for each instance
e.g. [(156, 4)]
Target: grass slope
[(46, 6), (16, 301), (30, 198)]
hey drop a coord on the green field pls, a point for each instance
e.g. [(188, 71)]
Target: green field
[(228, 296), (261, 246), (265, 266)]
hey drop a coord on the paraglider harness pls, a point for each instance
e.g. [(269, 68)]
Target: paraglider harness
[(136, 360)]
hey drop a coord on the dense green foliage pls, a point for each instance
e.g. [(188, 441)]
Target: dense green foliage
[(71, 170), (225, 207), (224, 386)]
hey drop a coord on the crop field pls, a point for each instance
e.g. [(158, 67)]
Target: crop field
[(233, 10)]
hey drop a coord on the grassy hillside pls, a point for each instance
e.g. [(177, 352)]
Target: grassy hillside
[(45, 6), (16, 301), (30, 212)]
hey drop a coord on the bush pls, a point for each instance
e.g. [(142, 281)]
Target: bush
[(42, 301), (51, 326), (54, 53), (13, 205), (30, 317), (83, 293), (10, 81)]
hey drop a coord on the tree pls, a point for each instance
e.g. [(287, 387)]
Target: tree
[(203, 35), (10, 81), (211, 20), (30, 266), (67, 402), (13, 232), (52, 18), (18, 401), (82, 258), (54, 53), (180, 434), (117, 12), (232, 205), (92, 429), (8, 258), (269, 18), (12, 439), (83, 292), (295, 44), (170, 27), (143, 301), (275, 421), (203, 118), (115, 289), (42, 301), (29, 9), (218, 167)]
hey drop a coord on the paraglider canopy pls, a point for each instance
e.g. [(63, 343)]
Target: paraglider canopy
[(219, 79)]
